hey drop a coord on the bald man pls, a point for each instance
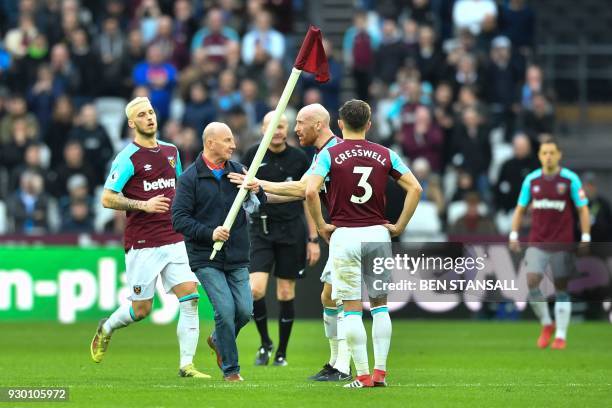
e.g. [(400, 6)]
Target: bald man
[(142, 183), (204, 196), (312, 129), (279, 241)]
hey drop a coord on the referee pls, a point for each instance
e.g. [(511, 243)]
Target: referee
[(279, 241)]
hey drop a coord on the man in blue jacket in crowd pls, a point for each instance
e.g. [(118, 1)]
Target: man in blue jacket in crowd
[(204, 196)]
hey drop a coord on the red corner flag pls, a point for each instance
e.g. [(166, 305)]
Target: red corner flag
[(311, 57)]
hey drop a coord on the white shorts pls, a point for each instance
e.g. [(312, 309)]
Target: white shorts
[(326, 275), (144, 265), (562, 263), (345, 253)]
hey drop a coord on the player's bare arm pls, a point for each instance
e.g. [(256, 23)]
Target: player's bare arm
[(286, 188), (413, 194), (117, 201), (313, 251), (278, 199), (585, 224), (517, 219), (313, 186)]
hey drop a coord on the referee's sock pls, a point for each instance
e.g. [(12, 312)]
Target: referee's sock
[(260, 315), (285, 323)]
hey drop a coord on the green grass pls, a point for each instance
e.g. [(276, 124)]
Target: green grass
[(432, 363)]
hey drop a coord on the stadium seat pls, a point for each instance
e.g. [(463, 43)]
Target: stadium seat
[(424, 223), (102, 215), (3, 218), (457, 209), (501, 153), (503, 221), (111, 114)]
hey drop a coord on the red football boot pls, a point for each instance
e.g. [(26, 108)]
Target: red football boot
[(546, 335), (378, 378), (558, 344)]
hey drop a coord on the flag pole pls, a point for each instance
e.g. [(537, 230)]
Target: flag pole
[(261, 151)]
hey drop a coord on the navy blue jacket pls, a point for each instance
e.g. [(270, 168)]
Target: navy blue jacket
[(201, 204)]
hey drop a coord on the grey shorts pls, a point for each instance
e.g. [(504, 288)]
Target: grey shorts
[(562, 263)]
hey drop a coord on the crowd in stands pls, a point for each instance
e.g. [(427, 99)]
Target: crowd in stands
[(455, 88)]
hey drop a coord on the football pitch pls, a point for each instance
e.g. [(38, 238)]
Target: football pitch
[(431, 363)]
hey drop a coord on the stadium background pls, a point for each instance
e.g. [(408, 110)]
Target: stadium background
[(464, 95)]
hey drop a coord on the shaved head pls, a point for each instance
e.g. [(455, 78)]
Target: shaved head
[(215, 128), (266, 120), (315, 112)]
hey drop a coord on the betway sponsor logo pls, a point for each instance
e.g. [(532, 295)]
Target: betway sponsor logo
[(161, 183), (546, 204)]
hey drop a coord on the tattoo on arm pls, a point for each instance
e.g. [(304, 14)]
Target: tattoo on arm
[(117, 201)]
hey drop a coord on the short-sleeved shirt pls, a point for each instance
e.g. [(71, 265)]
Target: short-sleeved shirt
[(332, 141), (288, 165), (552, 198), (358, 172), (140, 173)]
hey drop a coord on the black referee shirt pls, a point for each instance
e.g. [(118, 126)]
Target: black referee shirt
[(288, 165)]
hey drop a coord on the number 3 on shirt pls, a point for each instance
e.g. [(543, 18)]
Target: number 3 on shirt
[(363, 183)]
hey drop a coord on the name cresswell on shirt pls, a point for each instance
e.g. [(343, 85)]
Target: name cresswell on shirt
[(360, 153), (546, 204), (159, 184)]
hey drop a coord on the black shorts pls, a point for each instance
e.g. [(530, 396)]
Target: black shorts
[(283, 249)]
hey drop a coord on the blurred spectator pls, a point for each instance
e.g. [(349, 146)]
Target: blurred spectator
[(245, 137), (465, 184), (358, 48), (410, 35), (58, 129), (174, 48), (134, 54), (254, 107), (330, 91), (66, 73), (600, 210), (189, 145), (185, 25), (472, 148), (147, 14), (18, 39), (84, 58), (43, 94), (160, 78), (390, 55), (12, 153), (517, 22), (282, 14), (405, 107), (534, 84), (110, 47), (95, 141), (201, 69), (502, 76), (430, 59), (215, 38), (32, 161), (513, 172), (74, 164), (424, 139), (538, 120), (28, 206), (200, 109), (79, 218), (466, 73), (77, 189), (473, 14), (227, 95), (262, 43), (17, 109), (432, 190), (473, 222), (115, 9), (420, 11), (468, 98), (5, 64)]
